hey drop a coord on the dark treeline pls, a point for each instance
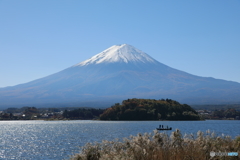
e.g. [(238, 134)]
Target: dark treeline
[(83, 113), (150, 109), (24, 113), (41, 110), (33, 113), (228, 113), (217, 107), (18, 110)]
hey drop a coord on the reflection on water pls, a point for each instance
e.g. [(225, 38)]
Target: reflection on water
[(60, 139)]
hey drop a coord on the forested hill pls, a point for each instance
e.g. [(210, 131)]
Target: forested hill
[(150, 109)]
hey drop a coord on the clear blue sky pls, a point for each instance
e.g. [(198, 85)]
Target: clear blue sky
[(41, 37)]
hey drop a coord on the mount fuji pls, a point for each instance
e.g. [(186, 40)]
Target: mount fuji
[(118, 73)]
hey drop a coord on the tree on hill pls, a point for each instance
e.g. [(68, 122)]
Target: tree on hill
[(150, 109), (228, 113), (82, 113)]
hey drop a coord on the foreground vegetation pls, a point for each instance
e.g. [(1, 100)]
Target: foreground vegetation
[(150, 109), (160, 146)]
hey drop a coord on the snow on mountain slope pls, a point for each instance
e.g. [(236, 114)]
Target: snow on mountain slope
[(119, 53)]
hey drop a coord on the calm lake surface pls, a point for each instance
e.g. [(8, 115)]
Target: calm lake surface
[(49, 140)]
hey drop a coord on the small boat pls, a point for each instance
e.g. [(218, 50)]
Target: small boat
[(162, 128)]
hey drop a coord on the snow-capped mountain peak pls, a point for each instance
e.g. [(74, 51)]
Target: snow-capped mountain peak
[(119, 53)]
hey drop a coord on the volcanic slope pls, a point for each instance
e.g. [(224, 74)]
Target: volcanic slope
[(117, 73)]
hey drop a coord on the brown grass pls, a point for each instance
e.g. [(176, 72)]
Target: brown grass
[(160, 146)]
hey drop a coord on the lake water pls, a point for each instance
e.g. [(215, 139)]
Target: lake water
[(49, 140)]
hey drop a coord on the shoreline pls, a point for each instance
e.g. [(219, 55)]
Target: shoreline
[(116, 120)]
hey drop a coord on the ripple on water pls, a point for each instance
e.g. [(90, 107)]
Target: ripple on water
[(49, 140)]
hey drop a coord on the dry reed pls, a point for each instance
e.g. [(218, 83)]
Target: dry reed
[(160, 146)]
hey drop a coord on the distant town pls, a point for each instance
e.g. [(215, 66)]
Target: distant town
[(33, 113), (221, 114)]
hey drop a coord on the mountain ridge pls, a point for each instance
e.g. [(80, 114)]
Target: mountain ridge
[(114, 75)]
